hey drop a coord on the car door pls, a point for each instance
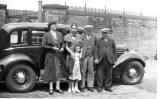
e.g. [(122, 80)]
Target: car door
[(36, 38), (4, 42), (21, 43)]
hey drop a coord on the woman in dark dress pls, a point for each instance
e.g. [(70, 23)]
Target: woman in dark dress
[(55, 68)]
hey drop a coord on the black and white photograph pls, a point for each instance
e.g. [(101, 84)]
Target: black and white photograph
[(78, 49)]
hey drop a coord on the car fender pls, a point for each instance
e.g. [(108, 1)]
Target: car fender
[(123, 60), (15, 58)]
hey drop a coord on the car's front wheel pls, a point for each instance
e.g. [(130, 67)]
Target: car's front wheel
[(20, 78), (133, 73)]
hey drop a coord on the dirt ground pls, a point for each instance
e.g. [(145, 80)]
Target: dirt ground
[(120, 91)]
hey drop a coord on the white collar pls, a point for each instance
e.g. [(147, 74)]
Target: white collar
[(54, 34)]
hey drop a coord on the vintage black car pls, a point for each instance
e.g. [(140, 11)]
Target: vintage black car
[(22, 57)]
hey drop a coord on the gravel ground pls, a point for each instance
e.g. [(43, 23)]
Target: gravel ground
[(120, 91)]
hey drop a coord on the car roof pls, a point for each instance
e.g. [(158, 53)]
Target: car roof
[(10, 26)]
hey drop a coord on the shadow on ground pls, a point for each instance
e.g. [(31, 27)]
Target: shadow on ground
[(40, 88)]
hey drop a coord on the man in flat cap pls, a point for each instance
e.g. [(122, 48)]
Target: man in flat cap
[(106, 57), (88, 56)]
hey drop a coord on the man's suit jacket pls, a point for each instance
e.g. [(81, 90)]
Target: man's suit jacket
[(106, 48), (84, 45)]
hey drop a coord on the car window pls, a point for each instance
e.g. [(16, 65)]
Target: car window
[(14, 37), (19, 37), (37, 37), (24, 37)]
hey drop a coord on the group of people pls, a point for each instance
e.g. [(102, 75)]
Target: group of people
[(85, 54)]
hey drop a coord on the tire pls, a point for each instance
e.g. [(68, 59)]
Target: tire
[(129, 78), (26, 83)]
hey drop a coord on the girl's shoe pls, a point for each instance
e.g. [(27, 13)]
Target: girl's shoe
[(73, 90), (69, 90), (77, 90), (51, 91)]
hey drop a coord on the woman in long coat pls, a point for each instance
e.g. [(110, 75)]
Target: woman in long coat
[(55, 67), (71, 39)]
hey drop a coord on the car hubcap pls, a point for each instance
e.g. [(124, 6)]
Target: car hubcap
[(20, 77), (132, 74)]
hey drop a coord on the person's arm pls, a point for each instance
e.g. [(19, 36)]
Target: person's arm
[(95, 48), (96, 51), (81, 54), (63, 43), (44, 42), (69, 50), (114, 51)]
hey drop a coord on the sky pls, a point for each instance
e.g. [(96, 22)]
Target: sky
[(147, 7)]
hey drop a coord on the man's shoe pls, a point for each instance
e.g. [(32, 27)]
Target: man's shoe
[(59, 91), (99, 89), (108, 89), (82, 89), (50, 91), (91, 89)]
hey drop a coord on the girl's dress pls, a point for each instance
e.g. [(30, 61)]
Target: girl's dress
[(76, 68)]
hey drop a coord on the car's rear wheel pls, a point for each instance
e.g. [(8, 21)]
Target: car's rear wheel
[(20, 78), (133, 73)]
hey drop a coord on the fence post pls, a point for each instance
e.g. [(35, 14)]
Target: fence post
[(40, 11), (85, 6), (123, 12)]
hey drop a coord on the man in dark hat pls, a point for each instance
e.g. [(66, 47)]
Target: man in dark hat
[(106, 57), (88, 53)]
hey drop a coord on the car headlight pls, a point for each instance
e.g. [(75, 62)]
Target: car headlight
[(126, 50)]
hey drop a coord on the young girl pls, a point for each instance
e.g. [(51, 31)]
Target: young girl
[(76, 75)]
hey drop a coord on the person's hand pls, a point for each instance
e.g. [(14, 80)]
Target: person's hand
[(62, 49), (115, 63), (96, 61), (55, 48)]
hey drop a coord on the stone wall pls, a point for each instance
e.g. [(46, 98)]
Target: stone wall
[(137, 33), (80, 20), (2, 14)]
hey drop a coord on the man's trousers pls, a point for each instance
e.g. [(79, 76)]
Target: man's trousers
[(88, 71), (104, 73)]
